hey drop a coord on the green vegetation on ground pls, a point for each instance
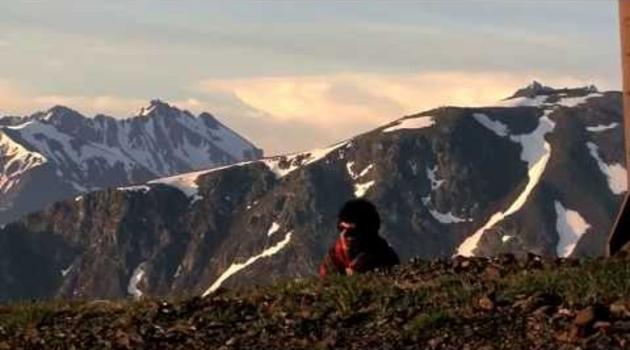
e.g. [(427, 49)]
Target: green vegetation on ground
[(459, 303)]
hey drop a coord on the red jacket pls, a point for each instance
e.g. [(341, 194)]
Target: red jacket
[(361, 254)]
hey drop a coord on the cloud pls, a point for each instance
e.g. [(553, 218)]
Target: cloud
[(274, 135), (355, 101)]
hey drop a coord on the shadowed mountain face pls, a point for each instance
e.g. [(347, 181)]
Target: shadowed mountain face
[(537, 173), (57, 154)]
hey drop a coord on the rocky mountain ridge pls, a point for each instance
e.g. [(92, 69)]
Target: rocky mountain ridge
[(539, 174), (57, 154)]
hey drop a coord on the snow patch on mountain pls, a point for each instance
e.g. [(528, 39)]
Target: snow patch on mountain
[(178, 272), (230, 141), (66, 271), (447, 218), (535, 152), (236, 267), (411, 123), (351, 172), (576, 101), (444, 218), (251, 205), (571, 226), (273, 229), (136, 278), (616, 174), (366, 170), (431, 175), (138, 188), (17, 161), (362, 173), (286, 164), (494, 125), (63, 148), (601, 128), (186, 183), (197, 155), (361, 188)]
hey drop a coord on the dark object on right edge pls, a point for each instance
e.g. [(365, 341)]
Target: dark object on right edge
[(620, 237)]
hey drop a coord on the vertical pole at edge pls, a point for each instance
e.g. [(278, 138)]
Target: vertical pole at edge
[(624, 34), (620, 234)]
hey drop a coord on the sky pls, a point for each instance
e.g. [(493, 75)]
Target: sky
[(296, 75)]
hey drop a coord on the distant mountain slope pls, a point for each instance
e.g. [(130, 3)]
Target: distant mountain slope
[(539, 172), (59, 153)]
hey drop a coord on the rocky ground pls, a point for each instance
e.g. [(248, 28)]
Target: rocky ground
[(477, 303)]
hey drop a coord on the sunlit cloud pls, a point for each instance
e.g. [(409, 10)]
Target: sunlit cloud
[(353, 101), (319, 110), (274, 135)]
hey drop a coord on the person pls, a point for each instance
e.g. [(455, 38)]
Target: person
[(359, 248)]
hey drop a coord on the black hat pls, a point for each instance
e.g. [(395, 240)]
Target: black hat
[(361, 213)]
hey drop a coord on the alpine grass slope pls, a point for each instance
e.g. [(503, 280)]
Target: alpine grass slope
[(463, 303)]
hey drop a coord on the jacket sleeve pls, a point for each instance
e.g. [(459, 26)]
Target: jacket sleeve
[(377, 258), (331, 264), (364, 262)]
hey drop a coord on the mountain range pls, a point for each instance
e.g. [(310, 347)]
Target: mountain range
[(59, 153), (541, 172)]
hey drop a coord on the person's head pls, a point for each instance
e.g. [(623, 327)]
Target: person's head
[(358, 216)]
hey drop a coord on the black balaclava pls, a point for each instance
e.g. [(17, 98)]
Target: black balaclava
[(363, 214)]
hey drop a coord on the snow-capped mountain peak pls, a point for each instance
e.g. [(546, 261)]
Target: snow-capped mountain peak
[(158, 107), (532, 90), (536, 89), (83, 153)]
